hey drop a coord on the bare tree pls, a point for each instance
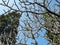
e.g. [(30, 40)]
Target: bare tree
[(45, 12)]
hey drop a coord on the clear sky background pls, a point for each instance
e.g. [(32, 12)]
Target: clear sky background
[(40, 40)]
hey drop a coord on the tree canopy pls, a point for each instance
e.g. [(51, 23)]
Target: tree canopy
[(37, 14), (8, 27)]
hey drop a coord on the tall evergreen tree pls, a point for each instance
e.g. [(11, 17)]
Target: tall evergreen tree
[(8, 27)]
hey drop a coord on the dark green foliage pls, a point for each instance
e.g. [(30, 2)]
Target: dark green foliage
[(9, 24), (53, 37)]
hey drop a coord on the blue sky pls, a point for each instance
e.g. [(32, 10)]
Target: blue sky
[(40, 40)]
